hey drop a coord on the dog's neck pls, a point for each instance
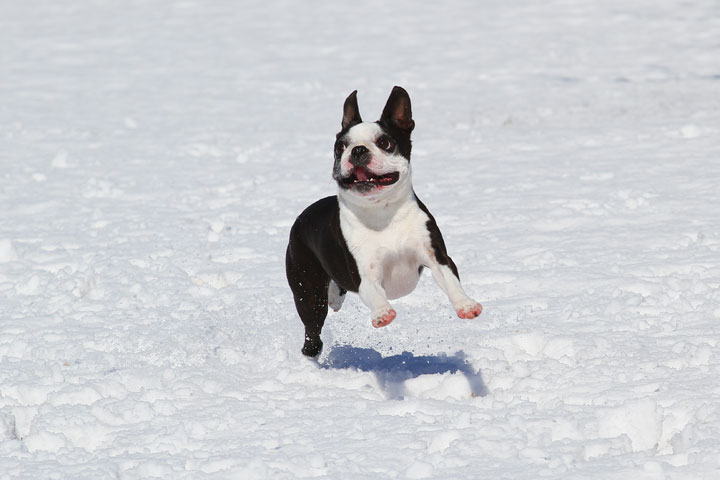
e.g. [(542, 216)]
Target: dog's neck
[(377, 212)]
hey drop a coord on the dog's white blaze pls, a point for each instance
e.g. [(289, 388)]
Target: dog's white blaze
[(366, 134)]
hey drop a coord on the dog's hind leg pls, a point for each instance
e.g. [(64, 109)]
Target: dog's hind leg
[(309, 284), (336, 296)]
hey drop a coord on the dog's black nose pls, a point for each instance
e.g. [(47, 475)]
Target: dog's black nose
[(360, 156)]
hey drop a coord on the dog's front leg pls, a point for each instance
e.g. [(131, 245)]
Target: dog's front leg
[(373, 295), (465, 307)]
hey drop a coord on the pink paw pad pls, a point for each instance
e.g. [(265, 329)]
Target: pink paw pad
[(385, 319), (469, 312)]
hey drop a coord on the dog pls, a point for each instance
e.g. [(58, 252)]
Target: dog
[(375, 236)]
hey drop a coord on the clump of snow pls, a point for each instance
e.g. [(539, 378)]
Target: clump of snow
[(7, 251), (690, 131), (60, 160), (640, 420)]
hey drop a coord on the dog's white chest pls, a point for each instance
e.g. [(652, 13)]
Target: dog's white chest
[(390, 252)]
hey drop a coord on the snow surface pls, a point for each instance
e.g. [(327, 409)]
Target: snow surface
[(155, 153)]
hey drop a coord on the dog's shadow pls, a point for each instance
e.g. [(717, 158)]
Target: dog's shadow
[(392, 372)]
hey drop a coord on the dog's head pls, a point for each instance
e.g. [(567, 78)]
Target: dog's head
[(373, 159)]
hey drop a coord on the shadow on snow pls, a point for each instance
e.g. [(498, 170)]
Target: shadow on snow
[(392, 372)]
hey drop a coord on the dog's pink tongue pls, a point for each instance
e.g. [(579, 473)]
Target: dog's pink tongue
[(361, 174)]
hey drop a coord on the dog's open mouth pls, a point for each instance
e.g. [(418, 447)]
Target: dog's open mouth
[(363, 179)]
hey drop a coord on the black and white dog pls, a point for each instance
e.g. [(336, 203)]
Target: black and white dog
[(375, 237)]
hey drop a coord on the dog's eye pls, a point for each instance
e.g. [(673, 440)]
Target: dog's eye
[(339, 148), (386, 143)]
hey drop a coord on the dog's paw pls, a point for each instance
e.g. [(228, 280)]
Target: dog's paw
[(470, 310), (336, 303), (383, 318), (312, 347), (336, 296)]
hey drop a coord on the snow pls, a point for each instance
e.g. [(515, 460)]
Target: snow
[(154, 155)]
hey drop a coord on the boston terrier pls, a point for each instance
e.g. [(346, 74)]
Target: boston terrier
[(376, 236)]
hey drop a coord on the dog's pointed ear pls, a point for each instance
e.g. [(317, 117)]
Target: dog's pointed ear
[(397, 110), (351, 112)]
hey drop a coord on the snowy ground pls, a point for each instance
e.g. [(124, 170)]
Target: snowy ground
[(154, 154)]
